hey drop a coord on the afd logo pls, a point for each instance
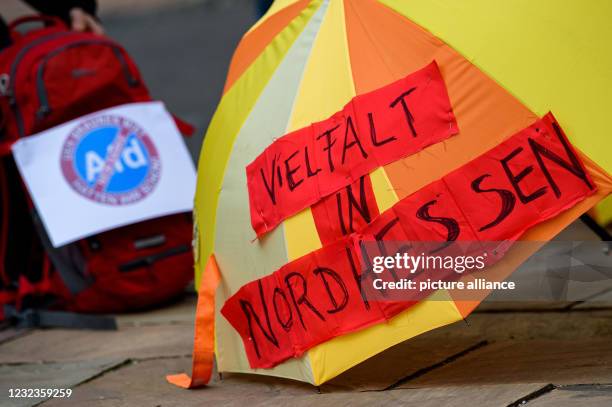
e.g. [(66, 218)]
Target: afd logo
[(111, 160)]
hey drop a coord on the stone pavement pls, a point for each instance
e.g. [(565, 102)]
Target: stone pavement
[(546, 357), (527, 353)]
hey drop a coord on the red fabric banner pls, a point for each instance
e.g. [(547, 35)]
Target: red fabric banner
[(346, 211), (527, 179), (372, 130)]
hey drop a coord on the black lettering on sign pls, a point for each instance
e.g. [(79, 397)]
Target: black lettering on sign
[(340, 213), (337, 305), (515, 179), (508, 201), (407, 113), (291, 182), (330, 141), (365, 258), (379, 236), (302, 298), (278, 293), (573, 165), (360, 206), (357, 276), (375, 141), (451, 225), (251, 315), (351, 128), (309, 172), (270, 186)]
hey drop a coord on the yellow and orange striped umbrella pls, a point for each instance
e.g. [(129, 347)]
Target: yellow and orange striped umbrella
[(304, 60)]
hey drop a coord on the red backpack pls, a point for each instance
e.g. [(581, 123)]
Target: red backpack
[(48, 76)]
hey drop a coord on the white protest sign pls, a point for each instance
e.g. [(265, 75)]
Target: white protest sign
[(108, 169)]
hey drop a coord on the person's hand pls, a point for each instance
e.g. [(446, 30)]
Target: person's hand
[(82, 21)]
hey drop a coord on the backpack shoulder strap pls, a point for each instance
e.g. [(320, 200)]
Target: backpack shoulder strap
[(65, 259)]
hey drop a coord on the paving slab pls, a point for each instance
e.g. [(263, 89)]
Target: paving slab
[(454, 396), (144, 384), (8, 334), (503, 326), (537, 361), (180, 312), (48, 376), (399, 362), (577, 395), (412, 356), (127, 343)]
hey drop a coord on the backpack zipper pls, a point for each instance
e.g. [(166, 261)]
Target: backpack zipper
[(43, 99), (11, 91), (149, 260)]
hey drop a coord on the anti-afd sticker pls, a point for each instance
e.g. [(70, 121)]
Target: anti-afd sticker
[(112, 168), (110, 159)]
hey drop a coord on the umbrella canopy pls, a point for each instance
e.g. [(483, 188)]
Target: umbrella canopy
[(550, 54), (306, 59)]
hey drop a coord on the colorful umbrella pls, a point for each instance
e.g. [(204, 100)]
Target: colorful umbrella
[(304, 60)]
